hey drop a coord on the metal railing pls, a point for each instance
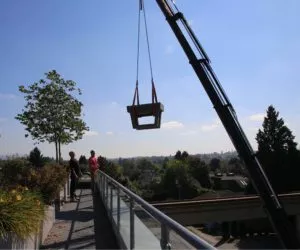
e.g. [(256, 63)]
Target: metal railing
[(104, 182)]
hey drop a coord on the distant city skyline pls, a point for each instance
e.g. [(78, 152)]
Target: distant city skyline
[(253, 46)]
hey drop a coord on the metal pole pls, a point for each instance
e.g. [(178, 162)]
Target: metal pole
[(165, 237), (118, 209), (103, 188), (191, 238), (106, 192), (65, 191), (111, 202), (100, 185), (68, 186), (131, 223)]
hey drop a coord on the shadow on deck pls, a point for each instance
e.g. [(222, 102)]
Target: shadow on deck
[(81, 225)]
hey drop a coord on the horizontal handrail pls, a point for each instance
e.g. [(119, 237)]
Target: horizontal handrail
[(161, 217), (244, 199)]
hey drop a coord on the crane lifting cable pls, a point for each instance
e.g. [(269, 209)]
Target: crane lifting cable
[(155, 108)]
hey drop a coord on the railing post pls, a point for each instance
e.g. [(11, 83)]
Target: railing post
[(131, 223), (57, 201), (65, 191), (111, 201), (118, 209), (68, 186), (165, 237), (167, 224), (102, 186), (106, 192)]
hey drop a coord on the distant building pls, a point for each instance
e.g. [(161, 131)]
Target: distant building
[(234, 183)]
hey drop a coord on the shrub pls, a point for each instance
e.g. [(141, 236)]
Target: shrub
[(12, 171), (21, 212), (47, 180), (52, 179)]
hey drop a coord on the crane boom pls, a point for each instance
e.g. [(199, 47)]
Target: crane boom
[(226, 113)]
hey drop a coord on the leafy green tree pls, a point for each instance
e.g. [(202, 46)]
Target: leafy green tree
[(277, 151), (52, 113), (178, 155), (184, 155), (199, 170), (164, 164), (215, 164), (12, 171), (130, 169), (177, 181), (114, 170), (181, 155), (236, 166)]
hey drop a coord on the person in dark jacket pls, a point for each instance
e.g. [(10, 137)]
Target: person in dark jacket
[(74, 173)]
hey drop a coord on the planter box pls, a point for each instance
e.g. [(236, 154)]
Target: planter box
[(12, 242), (47, 223), (34, 241)]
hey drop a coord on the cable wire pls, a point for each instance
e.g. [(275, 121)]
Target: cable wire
[(147, 37)]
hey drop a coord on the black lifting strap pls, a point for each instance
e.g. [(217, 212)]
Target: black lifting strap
[(136, 93), (154, 98)]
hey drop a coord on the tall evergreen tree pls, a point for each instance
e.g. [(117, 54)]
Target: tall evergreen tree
[(275, 136), (277, 151), (36, 158)]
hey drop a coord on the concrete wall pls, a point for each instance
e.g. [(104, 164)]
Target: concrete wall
[(13, 242), (47, 223)]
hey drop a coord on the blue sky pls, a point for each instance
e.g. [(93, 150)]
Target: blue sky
[(254, 47)]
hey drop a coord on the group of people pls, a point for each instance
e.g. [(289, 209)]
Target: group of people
[(75, 172)]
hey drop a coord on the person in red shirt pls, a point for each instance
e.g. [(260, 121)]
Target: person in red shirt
[(93, 166)]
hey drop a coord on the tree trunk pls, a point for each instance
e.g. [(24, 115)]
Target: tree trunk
[(59, 151), (56, 152)]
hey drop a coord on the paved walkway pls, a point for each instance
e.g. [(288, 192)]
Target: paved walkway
[(78, 224)]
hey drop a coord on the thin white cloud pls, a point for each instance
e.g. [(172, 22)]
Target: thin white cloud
[(114, 103), (253, 129), (109, 133), (91, 133), (172, 125), (169, 50), (209, 127), (7, 96), (189, 132), (257, 117)]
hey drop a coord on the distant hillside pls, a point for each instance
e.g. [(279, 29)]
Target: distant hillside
[(205, 157)]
